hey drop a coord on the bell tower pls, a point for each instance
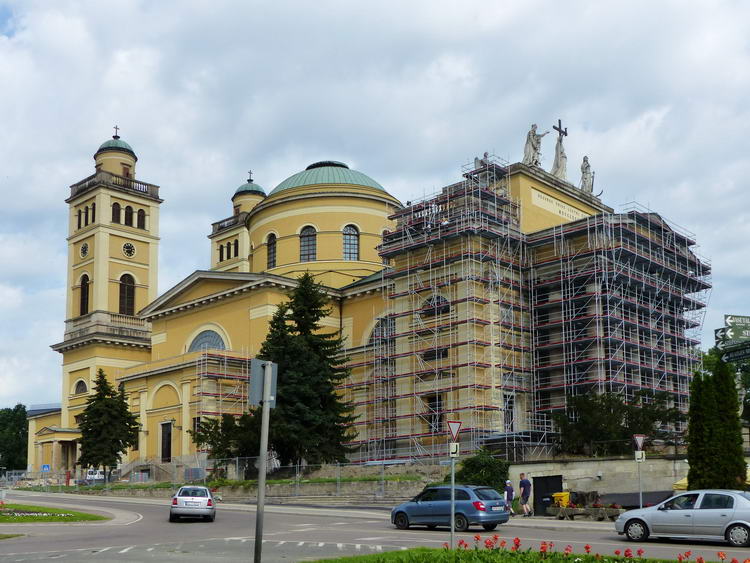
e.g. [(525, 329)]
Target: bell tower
[(113, 241)]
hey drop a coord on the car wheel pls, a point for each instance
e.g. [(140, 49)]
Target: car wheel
[(461, 524), (636, 530), (172, 518), (402, 521), (738, 535), (210, 518), (431, 526), (489, 527)]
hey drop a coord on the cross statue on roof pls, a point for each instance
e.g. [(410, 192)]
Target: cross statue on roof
[(559, 129), (249, 176), (117, 129)]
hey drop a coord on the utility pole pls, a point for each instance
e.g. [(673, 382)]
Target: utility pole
[(267, 374)]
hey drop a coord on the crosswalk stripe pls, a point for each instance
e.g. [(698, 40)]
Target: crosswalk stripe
[(126, 549)]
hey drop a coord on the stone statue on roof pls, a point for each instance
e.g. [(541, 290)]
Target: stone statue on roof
[(560, 166), (587, 176), (532, 151)]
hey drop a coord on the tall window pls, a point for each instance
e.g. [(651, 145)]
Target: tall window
[(236, 248), (129, 216), (84, 294), (307, 245), (93, 212), (271, 251), (229, 250), (435, 305), (351, 243), (86, 215), (221, 253), (141, 219), (127, 295), (80, 214), (115, 212), (80, 387)]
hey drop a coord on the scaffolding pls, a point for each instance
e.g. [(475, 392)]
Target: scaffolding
[(454, 339), (618, 300), (222, 383)]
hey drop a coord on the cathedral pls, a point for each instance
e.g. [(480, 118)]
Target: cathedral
[(491, 302)]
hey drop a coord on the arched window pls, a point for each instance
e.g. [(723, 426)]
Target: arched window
[(80, 387), (84, 295), (236, 248), (86, 215), (351, 243), (93, 212), (129, 216), (307, 245), (229, 250), (80, 214), (141, 219), (271, 251), (127, 295), (221, 253), (435, 305), (115, 212), (207, 339), (381, 338)]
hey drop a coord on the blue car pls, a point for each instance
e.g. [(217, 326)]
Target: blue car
[(432, 508)]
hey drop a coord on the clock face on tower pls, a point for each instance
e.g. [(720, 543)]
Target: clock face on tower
[(128, 249), (84, 250)]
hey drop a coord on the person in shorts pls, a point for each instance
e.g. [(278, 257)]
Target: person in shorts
[(509, 494), (525, 488)]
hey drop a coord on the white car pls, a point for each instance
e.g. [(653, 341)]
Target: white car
[(193, 501), (711, 514)]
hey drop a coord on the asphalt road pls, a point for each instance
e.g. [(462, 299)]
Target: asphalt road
[(139, 531)]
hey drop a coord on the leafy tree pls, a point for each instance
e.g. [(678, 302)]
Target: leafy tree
[(14, 430), (219, 435), (730, 468), (483, 469), (310, 420), (107, 426)]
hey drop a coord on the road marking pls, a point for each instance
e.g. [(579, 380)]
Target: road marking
[(339, 524), (126, 549), (103, 550), (140, 517), (340, 546), (300, 544), (357, 546), (280, 543), (378, 548), (373, 539), (150, 549), (321, 544)]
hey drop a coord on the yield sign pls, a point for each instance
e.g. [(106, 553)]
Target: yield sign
[(639, 441), (454, 426)]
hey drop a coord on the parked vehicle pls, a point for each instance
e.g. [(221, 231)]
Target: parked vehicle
[(432, 508), (193, 502), (711, 514)]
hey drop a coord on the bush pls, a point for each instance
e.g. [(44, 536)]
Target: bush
[(482, 469)]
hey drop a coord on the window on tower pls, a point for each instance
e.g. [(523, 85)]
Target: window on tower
[(93, 212), (80, 387), (271, 251), (221, 253), (86, 215), (307, 245), (115, 212), (80, 214), (141, 219), (351, 243), (236, 248), (127, 295), (229, 250), (129, 216), (84, 309)]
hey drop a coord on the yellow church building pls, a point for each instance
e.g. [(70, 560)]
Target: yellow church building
[(490, 302)]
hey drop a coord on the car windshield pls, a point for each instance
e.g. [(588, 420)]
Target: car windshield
[(488, 494), (193, 493)]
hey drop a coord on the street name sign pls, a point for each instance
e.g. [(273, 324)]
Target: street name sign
[(736, 355), (737, 320)]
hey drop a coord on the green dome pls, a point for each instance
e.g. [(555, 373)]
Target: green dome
[(327, 172), (249, 187), (116, 144)]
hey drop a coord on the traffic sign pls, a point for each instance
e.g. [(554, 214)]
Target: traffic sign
[(45, 468), (730, 335), (453, 427), (453, 449), (255, 396), (737, 354), (639, 438), (736, 320), (640, 456)]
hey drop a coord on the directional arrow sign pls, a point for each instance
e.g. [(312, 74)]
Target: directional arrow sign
[(453, 427), (736, 320), (736, 355)]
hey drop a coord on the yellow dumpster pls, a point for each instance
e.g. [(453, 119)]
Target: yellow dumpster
[(561, 499)]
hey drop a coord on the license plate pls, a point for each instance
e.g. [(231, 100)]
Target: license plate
[(188, 503), (497, 508)]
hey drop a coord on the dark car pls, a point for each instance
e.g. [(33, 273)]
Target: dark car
[(432, 508)]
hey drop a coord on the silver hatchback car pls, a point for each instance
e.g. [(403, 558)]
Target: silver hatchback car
[(193, 502), (711, 514)]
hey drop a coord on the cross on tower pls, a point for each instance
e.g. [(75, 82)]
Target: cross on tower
[(117, 130), (559, 128), (249, 176)]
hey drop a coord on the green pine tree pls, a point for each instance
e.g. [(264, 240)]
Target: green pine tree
[(703, 453), (730, 461), (14, 429), (310, 420), (107, 426)]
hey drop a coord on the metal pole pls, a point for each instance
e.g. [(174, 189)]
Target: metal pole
[(453, 501), (640, 488), (267, 369)]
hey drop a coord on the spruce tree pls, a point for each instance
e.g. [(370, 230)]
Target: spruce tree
[(731, 471), (107, 426), (310, 420), (14, 430), (703, 452)]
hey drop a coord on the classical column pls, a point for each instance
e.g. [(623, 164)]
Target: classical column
[(56, 455), (185, 417)]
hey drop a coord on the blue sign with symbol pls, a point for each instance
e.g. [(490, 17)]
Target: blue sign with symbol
[(45, 467)]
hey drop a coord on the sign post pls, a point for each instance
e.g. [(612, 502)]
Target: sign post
[(640, 457), (268, 401), (453, 427)]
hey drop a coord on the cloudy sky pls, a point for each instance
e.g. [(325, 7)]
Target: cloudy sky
[(655, 93)]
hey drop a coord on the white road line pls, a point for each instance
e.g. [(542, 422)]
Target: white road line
[(103, 549), (378, 548), (140, 517), (404, 548), (150, 549), (300, 544), (373, 538), (126, 549), (280, 543), (339, 524), (358, 546), (340, 546), (321, 544)]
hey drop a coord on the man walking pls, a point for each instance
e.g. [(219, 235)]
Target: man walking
[(525, 488), (509, 496)]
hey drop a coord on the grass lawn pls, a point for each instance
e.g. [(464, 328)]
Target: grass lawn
[(23, 513), (8, 536)]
